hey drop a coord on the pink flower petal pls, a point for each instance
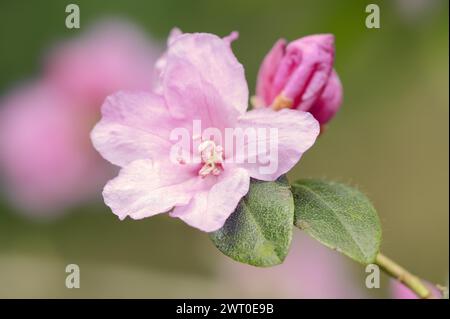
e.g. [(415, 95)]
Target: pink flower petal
[(133, 126), (266, 74), (173, 35), (330, 101), (309, 79), (204, 78), (209, 209), (145, 188), (233, 36), (197, 102), (161, 63), (296, 131)]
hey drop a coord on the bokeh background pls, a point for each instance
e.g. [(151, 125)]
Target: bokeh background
[(390, 139)]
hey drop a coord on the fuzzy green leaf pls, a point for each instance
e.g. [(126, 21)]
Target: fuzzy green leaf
[(259, 231), (339, 217)]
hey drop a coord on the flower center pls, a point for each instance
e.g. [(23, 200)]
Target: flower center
[(212, 158)]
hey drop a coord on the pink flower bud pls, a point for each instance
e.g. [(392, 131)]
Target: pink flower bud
[(300, 75)]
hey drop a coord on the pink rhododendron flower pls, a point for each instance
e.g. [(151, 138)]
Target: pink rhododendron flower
[(160, 64), (46, 157), (202, 83), (300, 75)]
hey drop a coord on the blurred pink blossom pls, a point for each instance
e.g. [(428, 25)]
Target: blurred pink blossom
[(309, 271), (112, 56), (400, 291), (300, 75), (46, 158)]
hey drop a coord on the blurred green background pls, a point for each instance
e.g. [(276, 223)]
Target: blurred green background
[(390, 139)]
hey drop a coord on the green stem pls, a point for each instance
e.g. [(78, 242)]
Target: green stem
[(398, 272)]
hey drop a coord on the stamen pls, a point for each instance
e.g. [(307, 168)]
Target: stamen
[(212, 157)]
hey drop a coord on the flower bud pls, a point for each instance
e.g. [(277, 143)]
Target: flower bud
[(300, 75)]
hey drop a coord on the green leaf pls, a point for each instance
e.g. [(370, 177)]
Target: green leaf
[(339, 217), (259, 231)]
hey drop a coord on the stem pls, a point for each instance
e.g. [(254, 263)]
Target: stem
[(395, 270)]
